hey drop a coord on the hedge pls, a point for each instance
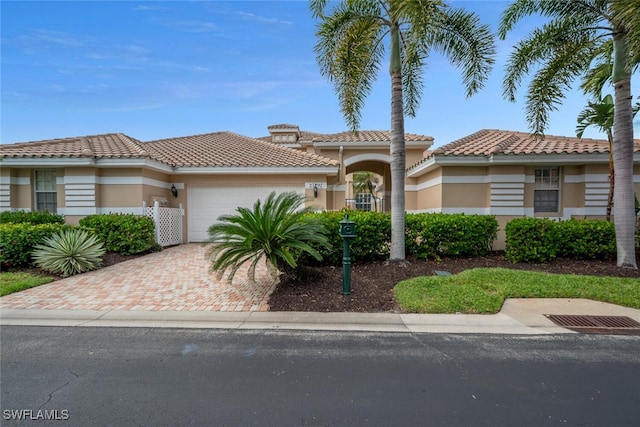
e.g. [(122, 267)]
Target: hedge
[(126, 234), (427, 235), (35, 217), (373, 236), (437, 234), (18, 240), (586, 239), (538, 240)]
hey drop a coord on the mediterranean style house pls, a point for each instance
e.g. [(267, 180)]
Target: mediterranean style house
[(495, 172)]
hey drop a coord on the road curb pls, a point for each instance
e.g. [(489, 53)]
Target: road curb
[(380, 322)]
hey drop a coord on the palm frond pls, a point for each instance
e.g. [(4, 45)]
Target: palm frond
[(553, 80), (468, 44), (589, 12), (626, 13), (599, 75), (598, 114), (349, 52)]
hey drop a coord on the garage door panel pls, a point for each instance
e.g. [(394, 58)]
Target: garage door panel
[(207, 203)]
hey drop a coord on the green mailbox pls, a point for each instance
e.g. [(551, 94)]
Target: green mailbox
[(347, 232)]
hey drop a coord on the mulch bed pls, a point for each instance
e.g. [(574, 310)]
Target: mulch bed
[(320, 288)]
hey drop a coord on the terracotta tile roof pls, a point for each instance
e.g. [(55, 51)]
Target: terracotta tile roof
[(282, 126), (491, 141), (99, 146), (348, 136), (367, 136), (231, 150)]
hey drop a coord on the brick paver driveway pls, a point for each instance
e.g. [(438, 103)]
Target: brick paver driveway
[(177, 278)]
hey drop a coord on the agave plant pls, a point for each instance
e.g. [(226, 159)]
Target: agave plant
[(277, 230), (69, 252)]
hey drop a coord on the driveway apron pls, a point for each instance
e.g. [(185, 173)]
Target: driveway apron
[(176, 279)]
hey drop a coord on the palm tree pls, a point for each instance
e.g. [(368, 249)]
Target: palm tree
[(578, 33), (366, 182), (600, 114), (350, 50), (277, 230)]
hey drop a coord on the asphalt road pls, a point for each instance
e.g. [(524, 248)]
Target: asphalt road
[(176, 377)]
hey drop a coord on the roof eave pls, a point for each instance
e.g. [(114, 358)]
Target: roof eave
[(267, 170), (57, 162), (61, 162), (146, 163), (369, 144), (509, 159), (425, 166)]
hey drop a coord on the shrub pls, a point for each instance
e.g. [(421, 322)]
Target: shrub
[(586, 239), (126, 234), (541, 240), (18, 240), (69, 252), (36, 217), (372, 241), (277, 230), (435, 235), (531, 240)]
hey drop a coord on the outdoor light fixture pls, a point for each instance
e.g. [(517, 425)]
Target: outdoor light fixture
[(315, 190), (174, 190)]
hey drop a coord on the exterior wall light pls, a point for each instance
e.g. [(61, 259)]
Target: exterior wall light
[(174, 190)]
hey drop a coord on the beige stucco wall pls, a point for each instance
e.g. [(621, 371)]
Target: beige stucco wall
[(431, 197), (20, 196)]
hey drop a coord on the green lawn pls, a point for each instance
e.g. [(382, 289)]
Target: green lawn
[(483, 290), (16, 282)]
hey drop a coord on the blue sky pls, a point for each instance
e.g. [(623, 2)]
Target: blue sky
[(161, 69)]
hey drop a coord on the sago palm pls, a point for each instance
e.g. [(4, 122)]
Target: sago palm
[(563, 50), (277, 230), (352, 41)]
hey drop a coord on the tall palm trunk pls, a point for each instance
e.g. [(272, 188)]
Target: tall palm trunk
[(623, 198), (397, 151), (612, 176)]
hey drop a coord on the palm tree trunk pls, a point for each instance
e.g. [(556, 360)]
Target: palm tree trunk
[(397, 151), (623, 198), (612, 176)]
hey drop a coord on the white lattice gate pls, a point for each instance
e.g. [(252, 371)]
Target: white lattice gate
[(168, 223)]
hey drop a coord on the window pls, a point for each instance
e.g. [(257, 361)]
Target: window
[(547, 189), (45, 190), (363, 202)]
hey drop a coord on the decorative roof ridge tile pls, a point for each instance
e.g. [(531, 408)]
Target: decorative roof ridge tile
[(367, 135), (459, 142), (296, 152), (501, 146)]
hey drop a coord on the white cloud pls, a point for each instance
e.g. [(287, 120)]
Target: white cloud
[(254, 17)]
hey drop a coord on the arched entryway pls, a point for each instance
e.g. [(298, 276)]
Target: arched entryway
[(374, 168)]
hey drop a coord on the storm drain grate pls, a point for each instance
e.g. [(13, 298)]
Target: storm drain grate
[(620, 325)]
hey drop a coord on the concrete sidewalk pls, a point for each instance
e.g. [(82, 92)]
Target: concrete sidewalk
[(518, 316)]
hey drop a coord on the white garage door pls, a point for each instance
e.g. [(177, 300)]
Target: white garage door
[(207, 203)]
